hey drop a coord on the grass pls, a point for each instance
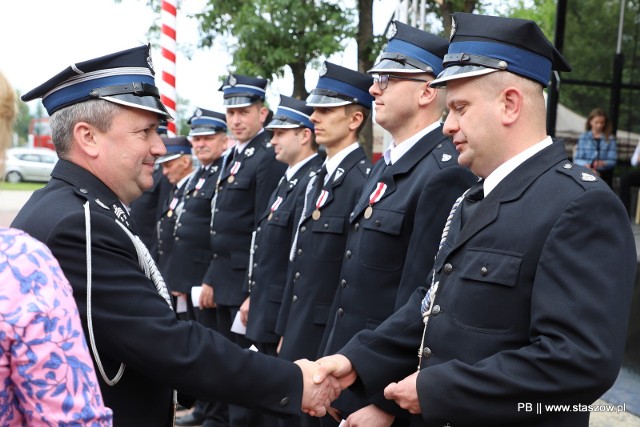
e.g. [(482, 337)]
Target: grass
[(21, 186)]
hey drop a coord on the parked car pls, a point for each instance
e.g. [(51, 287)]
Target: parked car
[(29, 164)]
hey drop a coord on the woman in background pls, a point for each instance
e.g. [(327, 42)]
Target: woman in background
[(46, 373), (596, 147)]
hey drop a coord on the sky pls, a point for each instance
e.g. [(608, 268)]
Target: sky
[(40, 38)]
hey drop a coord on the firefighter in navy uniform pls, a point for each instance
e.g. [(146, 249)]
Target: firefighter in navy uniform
[(342, 105), (104, 115), (294, 144), (249, 177), (176, 166), (192, 248), (396, 225)]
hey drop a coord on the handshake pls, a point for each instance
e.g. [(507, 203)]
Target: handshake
[(324, 379)]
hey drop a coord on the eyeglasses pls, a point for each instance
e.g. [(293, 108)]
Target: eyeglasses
[(383, 79)]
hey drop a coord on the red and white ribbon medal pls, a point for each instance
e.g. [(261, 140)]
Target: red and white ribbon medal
[(233, 171), (322, 199), (199, 185), (172, 206), (275, 206), (377, 194)]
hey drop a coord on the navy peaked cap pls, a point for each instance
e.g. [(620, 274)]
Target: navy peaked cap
[(163, 128), (207, 122), (291, 113), (482, 44), (176, 147), (411, 50), (339, 86), (124, 78), (242, 91)]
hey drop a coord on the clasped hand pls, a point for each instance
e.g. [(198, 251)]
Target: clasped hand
[(328, 376)]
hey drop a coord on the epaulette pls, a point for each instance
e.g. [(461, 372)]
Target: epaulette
[(364, 167), (583, 176), (445, 155)]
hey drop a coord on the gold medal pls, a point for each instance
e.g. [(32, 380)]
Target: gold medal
[(316, 215), (368, 212), (231, 179), (170, 214)]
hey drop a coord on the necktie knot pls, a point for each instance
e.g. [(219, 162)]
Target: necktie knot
[(469, 204)]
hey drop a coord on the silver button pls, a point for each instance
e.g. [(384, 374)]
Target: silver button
[(448, 268)]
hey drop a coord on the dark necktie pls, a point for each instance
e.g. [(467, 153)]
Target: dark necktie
[(319, 183), (471, 201)]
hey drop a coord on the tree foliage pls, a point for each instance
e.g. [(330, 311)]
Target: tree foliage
[(266, 36), (590, 41)]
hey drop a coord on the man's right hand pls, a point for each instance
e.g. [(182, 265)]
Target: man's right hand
[(337, 366)]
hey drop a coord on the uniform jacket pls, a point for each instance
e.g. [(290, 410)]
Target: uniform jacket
[(271, 258), (164, 229), (147, 208), (532, 307), (393, 249), (192, 246), (319, 252), (240, 203), (133, 324)]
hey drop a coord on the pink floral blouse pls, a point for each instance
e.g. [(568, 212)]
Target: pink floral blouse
[(46, 373)]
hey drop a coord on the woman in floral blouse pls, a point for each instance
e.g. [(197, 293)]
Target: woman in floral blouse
[(46, 373)]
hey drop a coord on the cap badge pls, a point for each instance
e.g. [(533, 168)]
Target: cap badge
[(588, 177), (232, 80), (323, 70), (392, 31), (150, 63), (198, 113), (453, 28)]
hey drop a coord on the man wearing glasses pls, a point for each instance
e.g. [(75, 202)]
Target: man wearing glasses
[(396, 225)]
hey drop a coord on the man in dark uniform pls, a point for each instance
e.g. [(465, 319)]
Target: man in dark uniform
[(246, 183), (146, 209), (342, 105), (176, 166), (294, 144), (395, 227), (526, 307), (104, 115), (192, 248)]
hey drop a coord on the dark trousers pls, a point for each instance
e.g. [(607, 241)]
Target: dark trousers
[(215, 414), (239, 416)]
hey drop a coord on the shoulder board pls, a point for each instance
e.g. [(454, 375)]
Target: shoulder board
[(583, 176), (364, 166), (445, 154)]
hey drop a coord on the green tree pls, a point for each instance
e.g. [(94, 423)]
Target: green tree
[(23, 118), (590, 42), (266, 36)]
